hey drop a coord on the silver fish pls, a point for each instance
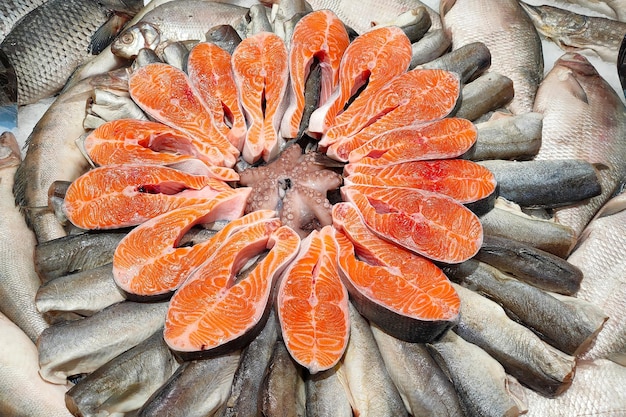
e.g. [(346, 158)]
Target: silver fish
[(574, 32), (371, 387), (18, 279), (483, 387), (198, 388), (12, 11), (597, 390), (49, 43), (105, 106), (124, 383), (510, 36), (224, 36), (488, 92), (583, 118), (432, 45), (424, 388), (507, 137), (22, 392), (612, 8), (327, 394), (521, 352), (468, 61), (82, 346), (599, 254)]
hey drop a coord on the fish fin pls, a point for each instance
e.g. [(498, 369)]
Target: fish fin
[(106, 33), (618, 357), (578, 91), (613, 206)]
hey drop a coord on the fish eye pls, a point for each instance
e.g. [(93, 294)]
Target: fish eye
[(127, 38)]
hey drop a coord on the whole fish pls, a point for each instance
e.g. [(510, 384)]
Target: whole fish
[(583, 118), (599, 256), (612, 8), (327, 395), (597, 390), (22, 392), (510, 36), (574, 32), (49, 43), (82, 346), (12, 11), (18, 279)]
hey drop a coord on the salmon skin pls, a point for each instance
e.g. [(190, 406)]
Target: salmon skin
[(318, 35), (131, 141), (405, 294), (149, 261), (165, 93), (465, 181), (210, 72), (262, 74), (312, 304), (430, 224), (212, 312), (117, 196)]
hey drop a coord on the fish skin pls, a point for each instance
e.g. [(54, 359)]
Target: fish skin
[(83, 346), (197, 389), (611, 8), (12, 11), (432, 45), (597, 390), (373, 392), (468, 61), (574, 32), (125, 382), (599, 256), (583, 118), (44, 59), (480, 381), (424, 388), (18, 279), (621, 65), (522, 353), (508, 32), (22, 392), (326, 394), (488, 92)]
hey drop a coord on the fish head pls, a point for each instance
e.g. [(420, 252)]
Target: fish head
[(136, 37), (10, 155)]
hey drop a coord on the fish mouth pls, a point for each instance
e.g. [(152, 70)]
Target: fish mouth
[(621, 64)]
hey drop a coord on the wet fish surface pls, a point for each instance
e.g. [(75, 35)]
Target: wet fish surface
[(326, 394), (12, 11), (18, 279), (611, 8)]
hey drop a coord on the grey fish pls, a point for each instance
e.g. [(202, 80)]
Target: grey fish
[(83, 293), (611, 8), (22, 392), (510, 36), (621, 65), (432, 45), (11, 11), (468, 61), (198, 388), (283, 393), (545, 183), (176, 54), (186, 20), (257, 20), (371, 387), (522, 353), (124, 383), (597, 390), (507, 137), (49, 43), (245, 393), (599, 254), (18, 279), (567, 323), (76, 253), (507, 220), (574, 32), (105, 106), (483, 387), (534, 266), (488, 92), (82, 346), (414, 23), (583, 118), (224, 36), (326, 394), (424, 388)]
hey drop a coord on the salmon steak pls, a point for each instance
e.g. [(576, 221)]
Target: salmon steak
[(465, 181), (213, 310), (318, 35), (430, 224), (131, 141), (262, 74), (211, 74), (312, 304), (115, 196), (404, 293), (415, 97), (442, 139), (165, 93), (149, 262), (371, 60)]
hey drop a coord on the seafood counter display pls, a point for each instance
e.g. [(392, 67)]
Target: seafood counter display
[(318, 208)]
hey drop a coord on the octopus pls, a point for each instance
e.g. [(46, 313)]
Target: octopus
[(296, 185)]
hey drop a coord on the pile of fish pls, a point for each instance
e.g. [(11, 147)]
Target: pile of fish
[(286, 209)]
